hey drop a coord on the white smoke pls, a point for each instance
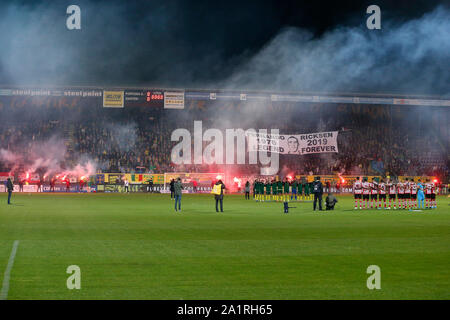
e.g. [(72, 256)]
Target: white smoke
[(412, 57), (123, 136), (48, 158)]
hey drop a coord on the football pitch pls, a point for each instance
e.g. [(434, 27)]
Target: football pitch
[(135, 246)]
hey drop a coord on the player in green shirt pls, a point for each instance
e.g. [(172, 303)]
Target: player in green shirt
[(271, 189), (274, 190), (263, 186), (306, 188), (268, 190), (279, 190), (261, 190), (300, 190), (286, 186), (294, 190), (260, 186)]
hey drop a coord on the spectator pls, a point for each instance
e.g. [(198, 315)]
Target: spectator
[(178, 192)]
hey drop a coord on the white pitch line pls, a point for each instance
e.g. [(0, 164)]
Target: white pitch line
[(5, 285)]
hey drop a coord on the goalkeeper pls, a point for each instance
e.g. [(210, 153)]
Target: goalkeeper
[(420, 195), (294, 190)]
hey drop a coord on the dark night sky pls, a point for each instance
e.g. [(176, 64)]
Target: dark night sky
[(166, 43)]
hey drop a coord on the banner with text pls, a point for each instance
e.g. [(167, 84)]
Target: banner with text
[(299, 144)]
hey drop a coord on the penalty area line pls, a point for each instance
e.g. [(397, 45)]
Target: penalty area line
[(6, 277)]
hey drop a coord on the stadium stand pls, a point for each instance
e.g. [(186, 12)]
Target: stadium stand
[(122, 140)]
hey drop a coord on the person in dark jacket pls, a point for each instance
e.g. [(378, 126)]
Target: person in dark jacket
[(10, 188), (172, 189), (177, 191), (317, 189), (150, 185), (330, 201), (247, 190), (219, 197)]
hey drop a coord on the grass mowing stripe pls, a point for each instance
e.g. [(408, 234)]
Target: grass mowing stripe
[(136, 246), (5, 285)]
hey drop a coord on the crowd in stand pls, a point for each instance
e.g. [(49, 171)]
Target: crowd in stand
[(124, 144)]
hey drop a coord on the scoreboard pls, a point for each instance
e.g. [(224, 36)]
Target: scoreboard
[(144, 98)]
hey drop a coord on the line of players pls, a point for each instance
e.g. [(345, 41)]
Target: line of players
[(403, 194), (267, 190)]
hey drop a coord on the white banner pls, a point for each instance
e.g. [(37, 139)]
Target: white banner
[(299, 144)]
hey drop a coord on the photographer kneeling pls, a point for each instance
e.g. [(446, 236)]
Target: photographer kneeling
[(330, 201)]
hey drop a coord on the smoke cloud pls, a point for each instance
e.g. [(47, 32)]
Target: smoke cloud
[(159, 46), (411, 58), (123, 136), (47, 158)]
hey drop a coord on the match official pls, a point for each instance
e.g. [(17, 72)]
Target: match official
[(10, 188), (318, 192)]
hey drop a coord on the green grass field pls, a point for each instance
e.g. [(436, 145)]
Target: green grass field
[(137, 247)]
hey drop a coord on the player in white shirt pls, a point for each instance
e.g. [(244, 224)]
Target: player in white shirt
[(357, 192), (366, 193), (407, 193), (127, 185), (373, 193), (401, 195), (428, 192), (382, 194), (392, 192), (413, 186), (433, 195)]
